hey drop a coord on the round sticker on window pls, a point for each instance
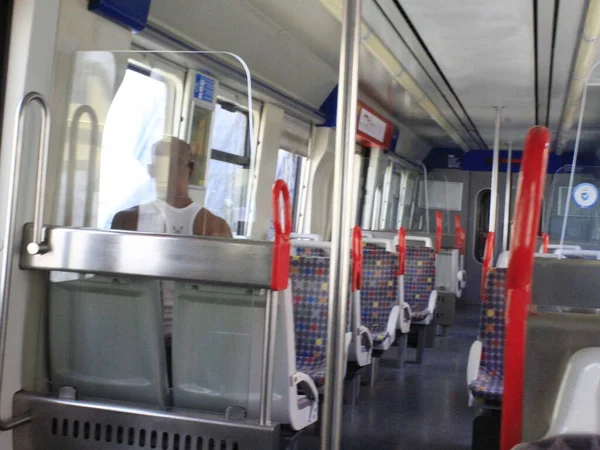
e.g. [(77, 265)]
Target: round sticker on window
[(585, 195)]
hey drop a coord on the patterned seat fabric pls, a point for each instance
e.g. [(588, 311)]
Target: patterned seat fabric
[(419, 281), (379, 292), (488, 387), (308, 251), (310, 285), (566, 442)]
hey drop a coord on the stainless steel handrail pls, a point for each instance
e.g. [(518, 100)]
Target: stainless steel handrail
[(93, 161), (342, 223), (10, 228), (37, 245), (268, 363)]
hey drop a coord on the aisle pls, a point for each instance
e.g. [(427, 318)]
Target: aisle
[(421, 408)]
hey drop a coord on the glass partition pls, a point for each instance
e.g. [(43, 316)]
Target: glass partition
[(581, 207), (150, 144)]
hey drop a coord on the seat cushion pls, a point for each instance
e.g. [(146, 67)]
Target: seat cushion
[(380, 338), (487, 388), (379, 292), (313, 367), (310, 285), (419, 316), (419, 279)]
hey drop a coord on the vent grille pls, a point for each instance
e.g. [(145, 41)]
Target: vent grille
[(130, 437)]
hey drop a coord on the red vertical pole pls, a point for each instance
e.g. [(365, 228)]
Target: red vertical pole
[(488, 257), (530, 192), (457, 228), (401, 251), (357, 258), (439, 228), (545, 242)]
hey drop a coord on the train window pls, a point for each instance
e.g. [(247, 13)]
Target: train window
[(443, 195), (288, 169), (482, 217), (408, 197), (228, 169)]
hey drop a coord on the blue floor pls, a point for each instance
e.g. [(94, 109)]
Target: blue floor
[(420, 407)]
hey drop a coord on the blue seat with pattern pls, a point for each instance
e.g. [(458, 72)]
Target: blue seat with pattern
[(310, 290), (379, 296), (419, 283), (309, 251), (487, 388)]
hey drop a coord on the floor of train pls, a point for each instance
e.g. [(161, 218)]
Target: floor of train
[(421, 407)]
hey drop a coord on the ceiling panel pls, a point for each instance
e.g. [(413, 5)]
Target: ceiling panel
[(486, 51), (268, 49)]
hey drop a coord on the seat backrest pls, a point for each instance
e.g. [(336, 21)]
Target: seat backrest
[(218, 336), (107, 339), (309, 251), (379, 293), (419, 279), (310, 291), (491, 322)]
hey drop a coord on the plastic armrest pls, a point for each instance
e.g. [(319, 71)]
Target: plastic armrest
[(432, 301), (366, 333), (312, 393), (404, 318), (474, 360), (392, 321)]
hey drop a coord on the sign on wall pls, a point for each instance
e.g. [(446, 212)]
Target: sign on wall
[(585, 195)]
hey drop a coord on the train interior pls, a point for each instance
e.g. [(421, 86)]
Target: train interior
[(263, 224)]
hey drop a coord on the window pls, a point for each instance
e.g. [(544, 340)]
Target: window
[(288, 170), (228, 169), (482, 217), (444, 195)]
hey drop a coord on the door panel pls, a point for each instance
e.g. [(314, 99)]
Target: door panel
[(29, 68)]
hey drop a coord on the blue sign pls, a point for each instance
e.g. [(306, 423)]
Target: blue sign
[(132, 14), (204, 89), (585, 195)]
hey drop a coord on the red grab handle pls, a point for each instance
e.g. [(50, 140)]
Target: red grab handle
[(463, 241), (357, 258), (488, 256), (528, 207), (439, 229), (401, 251), (545, 242), (457, 228), (280, 270)]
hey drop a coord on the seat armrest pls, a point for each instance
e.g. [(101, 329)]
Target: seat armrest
[(312, 393), (474, 360), (404, 316), (393, 321), (365, 333), (432, 301)]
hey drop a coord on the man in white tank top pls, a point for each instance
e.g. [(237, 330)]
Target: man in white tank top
[(174, 212)]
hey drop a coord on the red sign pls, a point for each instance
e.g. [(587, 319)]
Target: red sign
[(372, 130)]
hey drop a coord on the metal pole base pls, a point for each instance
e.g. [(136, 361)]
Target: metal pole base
[(374, 371)]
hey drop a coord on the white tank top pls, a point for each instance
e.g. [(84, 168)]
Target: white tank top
[(160, 217)]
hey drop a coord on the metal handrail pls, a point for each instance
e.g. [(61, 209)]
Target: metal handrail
[(92, 175), (37, 245), (10, 224)]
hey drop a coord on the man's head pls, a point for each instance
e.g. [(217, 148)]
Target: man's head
[(173, 167)]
